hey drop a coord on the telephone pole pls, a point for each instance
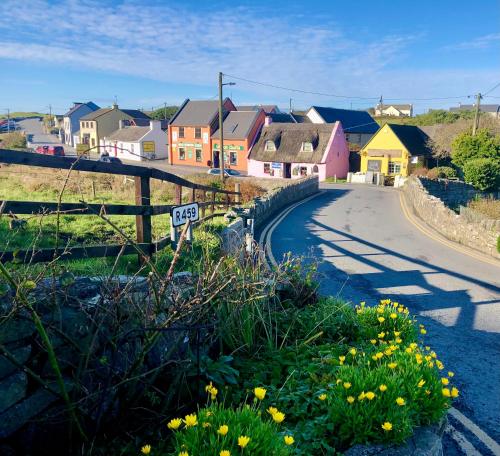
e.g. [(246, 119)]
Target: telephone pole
[(290, 108), (475, 126), (381, 105), (165, 111), (221, 125), (8, 120)]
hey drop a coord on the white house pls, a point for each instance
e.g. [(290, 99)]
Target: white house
[(71, 121), (395, 110), (137, 143)]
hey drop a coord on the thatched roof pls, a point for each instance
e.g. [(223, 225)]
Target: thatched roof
[(288, 139)]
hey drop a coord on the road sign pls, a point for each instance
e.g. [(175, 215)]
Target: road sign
[(181, 214)]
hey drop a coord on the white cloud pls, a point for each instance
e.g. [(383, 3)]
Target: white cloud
[(481, 42)]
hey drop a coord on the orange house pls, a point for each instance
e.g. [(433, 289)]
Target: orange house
[(191, 129), (240, 131)]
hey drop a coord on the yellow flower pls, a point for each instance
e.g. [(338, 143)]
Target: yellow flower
[(445, 381), (347, 385), (379, 355), (223, 430), (361, 396), (392, 365), (341, 359), (225, 453), (382, 388), (413, 345), (209, 387), (400, 401), (243, 441), (451, 374), (381, 335), (350, 399), (322, 397), (454, 392), (338, 381), (272, 410), (373, 341), (212, 390), (381, 319), (393, 315), (205, 424), (439, 364), (146, 449), (183, 453), (352, 351), (174, 424), (260, 393), (423, 331), (399, 340), (380, 310), (408, 350), (418, 358), (288, 439), (388, 352), (191, 420), (421, 383), (401, 309), (397, 333), (279, 417), (446, 392), (387, 426), (370, 395)]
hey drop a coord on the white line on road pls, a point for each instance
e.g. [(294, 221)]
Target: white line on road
[(463, 443)]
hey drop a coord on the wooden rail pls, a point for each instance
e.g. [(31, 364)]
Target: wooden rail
[(142, 210)]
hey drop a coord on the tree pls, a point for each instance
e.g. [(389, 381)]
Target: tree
[(466, 147), (159, 114), (13, 140), (483, 173)]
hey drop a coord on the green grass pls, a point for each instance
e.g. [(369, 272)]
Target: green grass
[(331, 180), (22, 114)]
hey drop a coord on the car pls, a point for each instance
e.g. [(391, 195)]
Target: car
[(109, 159), (50, 150), (227, 172)]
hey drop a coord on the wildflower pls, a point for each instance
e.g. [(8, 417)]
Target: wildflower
[(350, 399), (374, 358), (439, 364), (379, 355), (243, 441), (174, 424), (387, 426), (445, 381), (361, 396), (382, 387), (393, 315), (427, 392), (352, 351), (430, 364), (373, 341), (183, 453), (400, 401), (418, 358), (341, 359), (399, 340), (338, 381), (392, 365), (347, 385), (272, 410), (191, 420), (380, 310), (397, 333), (454, 392), (388, 352), (370, 395), (446, 392), (423, 331), (427, 348), (381, 319), (381, 335), (205, 424), (322, 397), (288, 439), (260, 393), (408, 350), (450, 374), (421, 383), (212, 390), (413, 345), (279, 417), (146, 449), (225, 453), (401, 309), (223, 430)]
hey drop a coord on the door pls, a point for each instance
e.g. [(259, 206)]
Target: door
[(288, 171), (216, 159)]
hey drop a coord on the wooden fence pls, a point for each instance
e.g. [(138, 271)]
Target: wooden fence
[(143, 209)]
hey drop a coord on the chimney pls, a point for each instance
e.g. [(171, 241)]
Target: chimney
[(268, 121), (115, 105)]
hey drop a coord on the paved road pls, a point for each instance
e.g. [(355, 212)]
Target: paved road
[(34, 127), (369, 250)]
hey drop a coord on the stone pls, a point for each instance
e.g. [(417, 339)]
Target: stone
[(20, 354), (12, 390), (16, 329)]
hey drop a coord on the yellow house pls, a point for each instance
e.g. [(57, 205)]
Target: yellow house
[(98, 124), (394, 149)]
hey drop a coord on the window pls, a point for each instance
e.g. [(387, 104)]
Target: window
[(199, 156), (197, 132), (394, 168), (303, 171), (267, 168), (270, 146), (182, 153), (132, 148), (307, 147), (233, 158), (315, 169), (181, 132)]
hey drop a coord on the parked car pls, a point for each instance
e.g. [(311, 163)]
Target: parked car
[(227, 172), (109, 159), (50, 150)]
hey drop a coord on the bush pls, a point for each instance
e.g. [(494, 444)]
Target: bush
[(466, 147), (483, 173), (442, 172), (13, 140)]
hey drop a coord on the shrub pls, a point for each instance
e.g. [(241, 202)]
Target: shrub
[(483, 173), (13, 140), (443, 172), (419, 171), (466, 147)]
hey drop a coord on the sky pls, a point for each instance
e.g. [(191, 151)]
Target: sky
[(432, 53)]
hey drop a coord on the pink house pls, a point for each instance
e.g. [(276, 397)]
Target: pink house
[(295, 150)]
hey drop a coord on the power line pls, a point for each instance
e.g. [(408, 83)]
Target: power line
[(492, 89)]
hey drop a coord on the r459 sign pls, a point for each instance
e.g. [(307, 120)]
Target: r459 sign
[(181, 214)]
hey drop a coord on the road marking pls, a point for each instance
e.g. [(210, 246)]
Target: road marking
[(429, 233), (476, 430), (462, 441)]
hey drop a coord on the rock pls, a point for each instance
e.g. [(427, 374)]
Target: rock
[(12, 390), (16, 329), (20, 354)]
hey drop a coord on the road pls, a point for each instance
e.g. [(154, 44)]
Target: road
[(34, 127), (368, 250)]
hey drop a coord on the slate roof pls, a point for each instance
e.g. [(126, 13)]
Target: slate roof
[(94, 115), (196, 113), (301, 118), (288, 138), (78, 105), (413, 138), (237, 124), (352, 121), (128, 134), (281, 117), (134, 113), (266, 108)]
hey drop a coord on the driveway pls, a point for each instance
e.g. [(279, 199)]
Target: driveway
[(368, 250)]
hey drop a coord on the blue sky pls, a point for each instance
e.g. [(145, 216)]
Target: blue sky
[(149, 52)]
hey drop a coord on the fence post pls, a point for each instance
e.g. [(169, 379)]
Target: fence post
[(178, 194), (192, 196), (203, 199), (237, 188), (143, 222), (213, 202), (228, 201)]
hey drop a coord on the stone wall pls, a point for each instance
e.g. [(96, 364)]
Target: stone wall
[(427, 198)]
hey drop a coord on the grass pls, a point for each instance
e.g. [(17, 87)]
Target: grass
[(22, 114), (487, 206), (332, 180)]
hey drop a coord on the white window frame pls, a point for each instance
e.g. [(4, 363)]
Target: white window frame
[(394, 165), (270, 146)]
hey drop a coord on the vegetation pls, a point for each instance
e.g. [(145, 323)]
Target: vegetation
[(14, 140), (21, 114), (483, 173), (433, 117), (489, 207), (467, 147), (165, 113), (443, 172)]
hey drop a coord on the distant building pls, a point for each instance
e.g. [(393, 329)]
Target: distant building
[(394, 149), (140, 143), (268, 109), (491, 109), (394, 110), (71, 121), (292, 151)]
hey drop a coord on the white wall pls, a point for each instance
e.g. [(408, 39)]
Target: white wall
[(314, 116)]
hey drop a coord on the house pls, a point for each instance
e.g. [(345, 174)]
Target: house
[(104, 121), (358, 126), (190, 131), (395, 110), (71, 121), (241, 129), (268, 109), (394, 149), (492, 109), (138, 143), (293, 150)]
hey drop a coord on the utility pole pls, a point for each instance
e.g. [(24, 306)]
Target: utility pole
[(290, 108), (8, 120), (165, 111), (221, 129), (475, 126), (381, 105)]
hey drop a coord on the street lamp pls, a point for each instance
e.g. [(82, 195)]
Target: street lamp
[(221, 122)]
